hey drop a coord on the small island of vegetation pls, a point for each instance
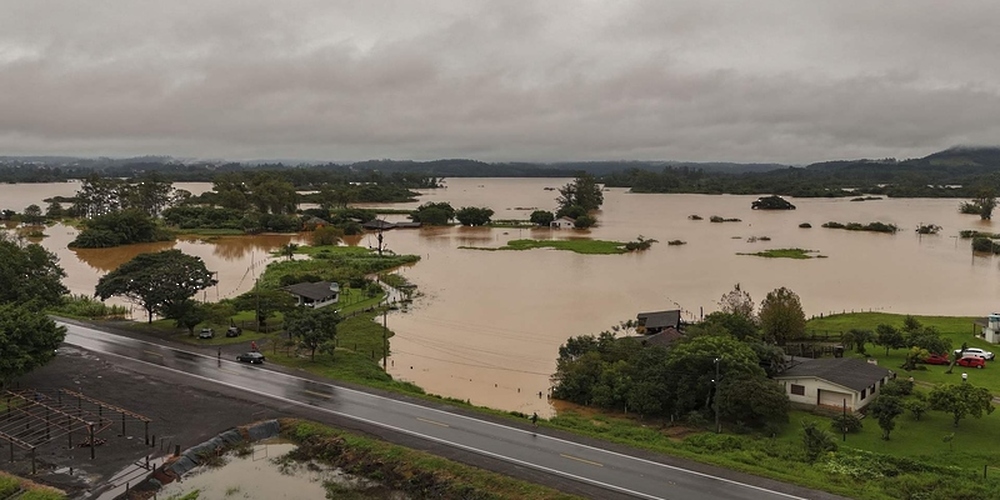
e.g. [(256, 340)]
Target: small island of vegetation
[(877, 227), (786, 253), (586, 247), (771, 203)]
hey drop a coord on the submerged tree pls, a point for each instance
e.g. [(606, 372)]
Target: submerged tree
[(982, 205)]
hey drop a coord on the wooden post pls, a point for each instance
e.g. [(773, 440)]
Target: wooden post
[(90, 427), (146, 424)]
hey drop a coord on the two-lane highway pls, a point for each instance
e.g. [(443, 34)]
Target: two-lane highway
[(634, 476)]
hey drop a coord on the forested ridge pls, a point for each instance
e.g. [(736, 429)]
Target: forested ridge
[(955, 172)]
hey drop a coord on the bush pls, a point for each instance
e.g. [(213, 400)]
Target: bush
[(816, 441), (805, 225), (898, 387), (980, 244), (584, 221), (849, 422)]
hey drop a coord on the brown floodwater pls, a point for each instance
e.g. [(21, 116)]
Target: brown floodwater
[(488, 325)]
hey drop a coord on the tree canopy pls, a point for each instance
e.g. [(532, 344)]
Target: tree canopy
[(314, 328), (962, 400), (28, 340), (583, 192), (781, 316), (474, 216), (155, 281), (29, 274), (433, 214)]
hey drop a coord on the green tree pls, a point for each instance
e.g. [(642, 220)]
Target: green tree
[(753, 401), (326, 235), (885, 409), (266, 302), (913, 356), (30, 274), (962, 400), (781, 316), (918, 406), (583, 192), (737, 325), (119, 228), (54, 210), (155, 281), (186, 314), (983, 204), (738, 302), (33, 215), (270, 194), (584, 222), (911, 324), (692, 366), (28, 340), (474, 216), (858, 338), (433, 214), (542, 217), (889, 337), (314, 328), (149, 194)]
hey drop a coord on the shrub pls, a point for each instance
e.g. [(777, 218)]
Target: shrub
[(846, 422), (805, 225), (898, 387), (981, 244), (816, 441)]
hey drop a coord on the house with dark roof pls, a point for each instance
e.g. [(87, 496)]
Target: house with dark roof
[(829, 382), (378, 224), (654, 322), (315, 295)]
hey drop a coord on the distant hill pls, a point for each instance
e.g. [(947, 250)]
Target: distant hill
[(984, 156)]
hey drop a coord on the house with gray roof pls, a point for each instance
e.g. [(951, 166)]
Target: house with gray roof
[(657, 321), (315, 295), (829, 382)]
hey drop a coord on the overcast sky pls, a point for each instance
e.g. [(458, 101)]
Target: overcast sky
[(784, 81)]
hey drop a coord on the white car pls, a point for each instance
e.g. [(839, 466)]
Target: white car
[(974, 352)]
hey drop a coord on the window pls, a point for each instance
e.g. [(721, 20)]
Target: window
[(881, 382), (798, 390), (863, 391)]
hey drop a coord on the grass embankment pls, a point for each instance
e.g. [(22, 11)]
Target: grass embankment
[(786, 253), (588, 247), (10, 486), (413, 472)]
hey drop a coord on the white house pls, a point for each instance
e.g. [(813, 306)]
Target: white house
[(829, 382), (991, 328), (315, 295), (563, 223)]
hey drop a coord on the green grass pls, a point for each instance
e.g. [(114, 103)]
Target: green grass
[(786, 253), (958, 329), (331, 250), (407, 469), (10, 484), (588, 247)]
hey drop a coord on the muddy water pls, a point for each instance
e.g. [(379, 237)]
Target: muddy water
[(236, 260), (490, 324), (255, 477)]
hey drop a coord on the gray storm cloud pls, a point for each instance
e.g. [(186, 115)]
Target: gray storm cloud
[(736, 81)]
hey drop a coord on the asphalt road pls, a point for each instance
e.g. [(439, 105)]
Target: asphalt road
[(607, 469)]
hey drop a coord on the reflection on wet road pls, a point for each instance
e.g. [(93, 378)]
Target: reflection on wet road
[(633, 476)]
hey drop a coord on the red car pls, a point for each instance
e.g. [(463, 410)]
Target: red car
[(972, 361), (937, 359)]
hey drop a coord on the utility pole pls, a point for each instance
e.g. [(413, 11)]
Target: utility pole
[(379, 236), (715, 382)]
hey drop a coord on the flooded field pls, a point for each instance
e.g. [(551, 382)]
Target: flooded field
[(489, 324)]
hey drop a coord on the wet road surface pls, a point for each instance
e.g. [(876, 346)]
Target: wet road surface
[(610, 470)]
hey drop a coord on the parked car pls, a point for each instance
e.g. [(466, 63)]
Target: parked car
[(206, 333), (234, 331), (975, 351), (252, 357), (972, 362), (937, 359)]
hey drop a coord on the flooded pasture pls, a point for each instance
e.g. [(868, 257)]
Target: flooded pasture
[(488, 325)]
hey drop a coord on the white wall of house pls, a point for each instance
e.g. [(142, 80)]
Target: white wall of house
[(818, 391), (562, 224), (318, 303), (813, 388)]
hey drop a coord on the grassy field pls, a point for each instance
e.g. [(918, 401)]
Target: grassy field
[(786, 253), (955, 328), (589, 247), (10, 485)]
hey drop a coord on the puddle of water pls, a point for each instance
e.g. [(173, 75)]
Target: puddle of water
[(261, 475)]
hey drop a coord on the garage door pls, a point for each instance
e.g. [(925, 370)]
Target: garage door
[(834, 399)]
